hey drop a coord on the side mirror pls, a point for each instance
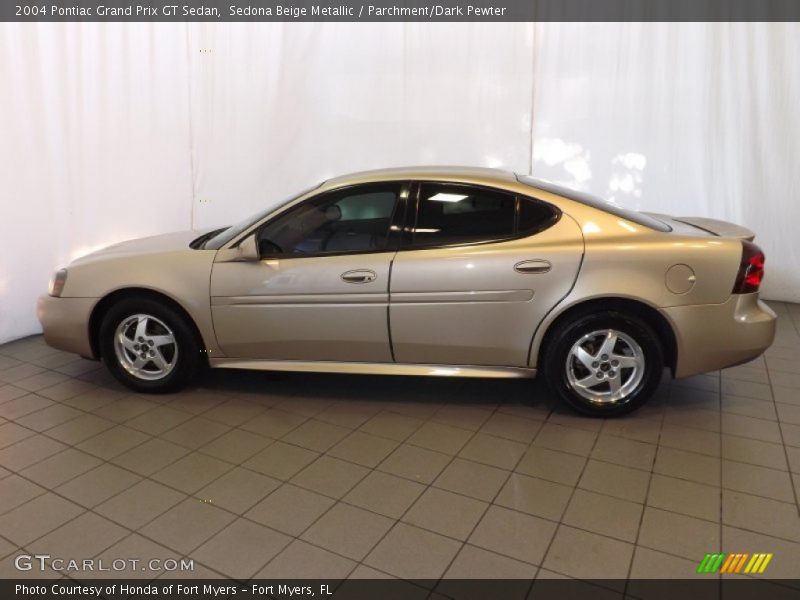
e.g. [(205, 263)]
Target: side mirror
[(268, 248), (247, 249)]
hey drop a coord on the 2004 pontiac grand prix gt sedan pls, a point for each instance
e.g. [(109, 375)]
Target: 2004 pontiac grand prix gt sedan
[(426, 271)]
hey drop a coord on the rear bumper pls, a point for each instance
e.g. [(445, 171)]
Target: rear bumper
[(65, 322), (715, 336)]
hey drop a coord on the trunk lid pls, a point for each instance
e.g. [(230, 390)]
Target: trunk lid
[(709, 226)]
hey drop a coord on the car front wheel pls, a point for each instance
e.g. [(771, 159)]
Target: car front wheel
[(148, 346), (604, 364)]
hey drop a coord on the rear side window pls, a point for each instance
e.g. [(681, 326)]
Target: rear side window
[(451, 214)]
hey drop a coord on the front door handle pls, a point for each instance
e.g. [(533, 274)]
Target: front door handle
[(529, 267), (359, 276)]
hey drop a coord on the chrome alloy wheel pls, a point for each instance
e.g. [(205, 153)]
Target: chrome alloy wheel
[(605, 366), (145, 347)]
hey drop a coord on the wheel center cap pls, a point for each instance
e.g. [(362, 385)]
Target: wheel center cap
[(605, 367)]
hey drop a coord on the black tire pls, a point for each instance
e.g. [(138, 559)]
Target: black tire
[(558, 370), (186, 360)]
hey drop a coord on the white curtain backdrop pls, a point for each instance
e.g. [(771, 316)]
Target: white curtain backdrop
[(112, 131)]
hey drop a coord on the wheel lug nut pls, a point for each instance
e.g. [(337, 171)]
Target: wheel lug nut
[(595, 364), (614, 363), (604, 357), (599, 374), (136, 346), (611, 373)]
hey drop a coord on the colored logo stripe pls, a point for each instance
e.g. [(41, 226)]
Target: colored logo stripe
[(734, 563)]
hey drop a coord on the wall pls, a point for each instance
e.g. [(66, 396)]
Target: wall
[(114, 131)]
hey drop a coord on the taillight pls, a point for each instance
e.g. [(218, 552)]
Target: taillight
[(751, 269)]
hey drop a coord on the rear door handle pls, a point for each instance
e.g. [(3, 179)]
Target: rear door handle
[(359, 276), (529, 267)]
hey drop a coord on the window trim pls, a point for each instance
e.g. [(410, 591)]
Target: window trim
[(398, 217), (407, 243)]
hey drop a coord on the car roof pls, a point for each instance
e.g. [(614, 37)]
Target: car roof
[(483, 175)]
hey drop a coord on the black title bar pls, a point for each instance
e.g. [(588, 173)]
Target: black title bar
[(398, 10)]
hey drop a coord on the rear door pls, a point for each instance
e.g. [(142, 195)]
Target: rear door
[(478, 270)]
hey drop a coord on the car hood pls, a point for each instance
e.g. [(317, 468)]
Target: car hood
[(149, 245)]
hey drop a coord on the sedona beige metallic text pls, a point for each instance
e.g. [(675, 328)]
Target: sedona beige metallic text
[(426, 271)]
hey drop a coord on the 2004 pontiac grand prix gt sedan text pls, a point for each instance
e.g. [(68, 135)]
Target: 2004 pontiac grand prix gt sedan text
[(426, 271)]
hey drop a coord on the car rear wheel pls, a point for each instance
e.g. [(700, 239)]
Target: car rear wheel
[(604, 364), (148, 346)]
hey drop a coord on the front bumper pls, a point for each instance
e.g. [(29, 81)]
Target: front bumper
[(65, 322), (715, 336)]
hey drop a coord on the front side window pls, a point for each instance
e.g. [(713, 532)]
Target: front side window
[(353, 220), (455, 214)]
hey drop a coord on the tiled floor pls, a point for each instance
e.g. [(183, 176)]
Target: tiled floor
[(276, 475)]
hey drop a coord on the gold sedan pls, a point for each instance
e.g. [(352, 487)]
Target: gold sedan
[(426, 271)]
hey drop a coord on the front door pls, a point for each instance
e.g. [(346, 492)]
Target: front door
[(320, 291), (481, 270)]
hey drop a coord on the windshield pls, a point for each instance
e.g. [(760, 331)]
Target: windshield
[(225, 235), (595, 202)]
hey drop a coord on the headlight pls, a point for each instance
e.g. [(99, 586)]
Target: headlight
[(57, 283)]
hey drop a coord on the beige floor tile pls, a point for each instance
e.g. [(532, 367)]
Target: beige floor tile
[(49, 417), (61, 467), (80, 429), (759, 481), (409, 552), (330, 476), (472, 479), (512, 427), (391, 425), (274, 423), (446, 513), (604, 515), (552, 465), (514, 534), (628, 453), (280, 460), (748, 427), (238, 490), (15, 491), (384, 494), (98, 485), (349, 414), (113, 442), (476, 563), (762, 515), (192, 472), (754, 452), (150, 457), (688, 465), (241, 549), (586, 555), (140, 549), (492, 450), (29, 451), (139, 504), (676, 534), (37, 517), (187, 525), (316, 435), (11, 433), (615, 480), (159, 420), (234, 412), (534, 496), (290, 509), (363, 449), (565, 439), (84, 536), (463, 416), (125, 409), (304, 561), (195, 432), (348, 530), (784, 561), (685, 497), (690, 440), (440, 438), (236, 446), (415, 463)]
